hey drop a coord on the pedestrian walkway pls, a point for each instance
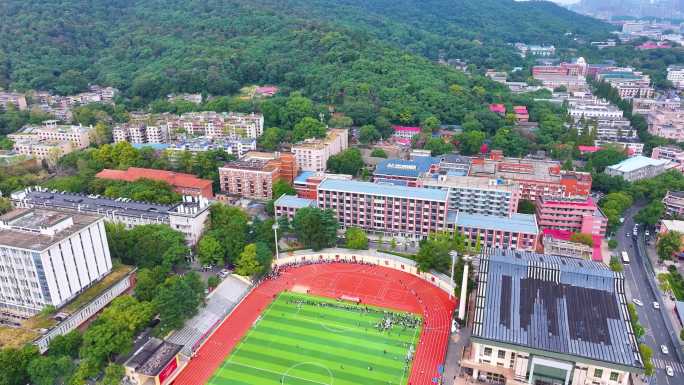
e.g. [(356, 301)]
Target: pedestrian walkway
[(220, 302), (661, 364)]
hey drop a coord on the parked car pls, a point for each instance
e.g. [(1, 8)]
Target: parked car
[(664, 349), (638, 302), (656, 305)]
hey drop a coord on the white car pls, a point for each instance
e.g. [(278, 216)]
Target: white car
[(648, 233), (622, 220), (656, 305), (669, 371), (664, 349), (638, 302)]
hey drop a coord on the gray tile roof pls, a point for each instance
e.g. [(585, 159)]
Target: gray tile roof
[(554, 304)]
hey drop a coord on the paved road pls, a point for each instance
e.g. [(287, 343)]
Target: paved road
[(652, 319)]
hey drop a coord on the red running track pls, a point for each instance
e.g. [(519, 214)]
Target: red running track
[(375, 285)]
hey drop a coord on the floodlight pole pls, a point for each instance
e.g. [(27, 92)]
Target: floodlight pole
[(275, 232)]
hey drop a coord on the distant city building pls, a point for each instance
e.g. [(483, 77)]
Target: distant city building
[(537, 178), (475, 195), (215, 124), (188, 217), (570, 82), (16, 99), (253, 175), (667, 123), (48, 257), (498, 109), (605, 112), (521, 114), (404, 172), (639, 167), (577, 215), (646, 105), (628, 83), (671, 153), (614, 128), (404, 134), (632, 145), (192, 98), (535, 50), (674, 203), (313, 154), (675, 74), (185, 184), (545, 319)]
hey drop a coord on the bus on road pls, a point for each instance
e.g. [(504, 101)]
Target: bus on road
[(625, 257)]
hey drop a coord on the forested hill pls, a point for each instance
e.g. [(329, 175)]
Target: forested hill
[(467, 29), (149, 48)]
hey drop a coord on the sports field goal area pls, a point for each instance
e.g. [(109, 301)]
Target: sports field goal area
[(306, 340)]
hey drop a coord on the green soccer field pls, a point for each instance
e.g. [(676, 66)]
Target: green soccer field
[(306, 343)]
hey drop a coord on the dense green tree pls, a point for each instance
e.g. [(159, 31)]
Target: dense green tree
[(178, 299), (368, 134), (356, 238), (315, 228), (308, 128), (651, 214), (147, 245), (210, 251), (647, 357), (469, 142), (607, 156), (281, 187), (438, 146), (50, 370), (340, 121), (148, 280), (583, 238), (14, 364), (615, 264), (66, 345), (228, 225), (112, 375), (669, 244), (430, 124), (510, 142), (526, 206), (5, 205), (348, 161), (378, 153), (247, 263), (271, 138)]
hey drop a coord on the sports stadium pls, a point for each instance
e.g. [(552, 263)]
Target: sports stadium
[(334, 318)]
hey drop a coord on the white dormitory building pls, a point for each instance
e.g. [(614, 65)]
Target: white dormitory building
[(50, 139), (596, 111), (313, 154), (188, 217), (140, 133), (675, 74), (47, 258)]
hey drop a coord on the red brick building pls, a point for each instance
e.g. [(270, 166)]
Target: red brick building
[(186, 184)]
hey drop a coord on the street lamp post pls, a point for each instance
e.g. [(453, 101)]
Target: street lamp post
[(454, 255), (275, 232), (464, 288)]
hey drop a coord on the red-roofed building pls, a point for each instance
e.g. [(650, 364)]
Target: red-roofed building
[(653, 45), (521, 114), (588, 149), (266, 91), (498, 108), (186, 184)]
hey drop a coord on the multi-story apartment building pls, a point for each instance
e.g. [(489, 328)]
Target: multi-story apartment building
[(410, 212), (577, 215), (237, 147), (671, 153), (253, 175), (639, 167), (675, 74), (632, 145), (188, 217), (644, 106), (287, 205), (535, 50), (185, 184), (313, 154), (517, 231), (306, 183), (16, 99), (667, 123), (570, 82), (215, 124), (628, 83), (544, 319), (537, 178), (47, 258), (404, 172), (50, 141), (475, 195), (606, 128), (674, 203), (140, 133)]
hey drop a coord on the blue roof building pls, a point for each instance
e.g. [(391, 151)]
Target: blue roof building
[(402, 170)]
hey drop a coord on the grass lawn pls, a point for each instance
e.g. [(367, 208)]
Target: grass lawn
[(321, 341)]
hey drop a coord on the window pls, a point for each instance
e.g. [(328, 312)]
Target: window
[(598, 373), (487, 352), (502, 354), (614, 376)]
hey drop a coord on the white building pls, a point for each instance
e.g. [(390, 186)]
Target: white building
[(237, 147), (476, 195), (50, 141), (544, 319), (602, 111), (48, 257), (188, 217), (675, 74), (140, 133), (639, 167), (313, 154)]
